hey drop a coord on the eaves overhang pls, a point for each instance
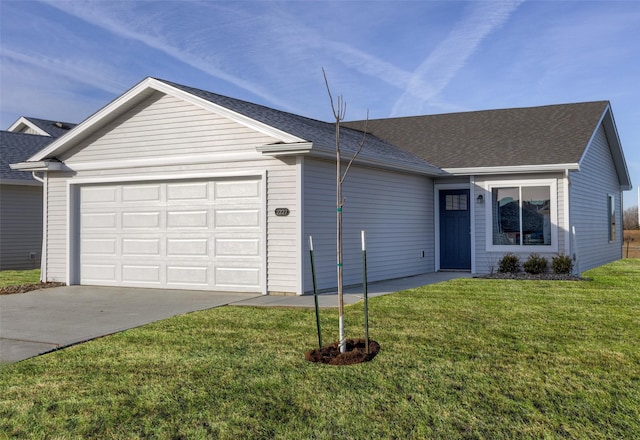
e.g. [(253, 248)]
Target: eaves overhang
[(310, 150), (41, 165), (517, 169)]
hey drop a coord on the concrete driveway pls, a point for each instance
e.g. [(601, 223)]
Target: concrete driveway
[(37, 322)]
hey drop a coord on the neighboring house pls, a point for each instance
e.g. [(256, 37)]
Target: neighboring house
[(42, 127), (174, 187), (21, 194)]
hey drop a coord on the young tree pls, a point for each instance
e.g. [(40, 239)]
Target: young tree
[(339, 109)]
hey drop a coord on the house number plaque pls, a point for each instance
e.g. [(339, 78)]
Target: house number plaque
[(282, 212)]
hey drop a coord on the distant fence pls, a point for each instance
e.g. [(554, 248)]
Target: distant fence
[(631, 251)]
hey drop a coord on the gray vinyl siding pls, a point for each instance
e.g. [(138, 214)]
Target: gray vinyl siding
[(589, 189), (487, 261), (216, 137), (395, 210), (20, 226)]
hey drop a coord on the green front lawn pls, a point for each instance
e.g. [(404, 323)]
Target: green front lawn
[(17, 277), (468, 358)]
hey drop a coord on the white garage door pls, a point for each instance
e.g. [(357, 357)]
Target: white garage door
[(196, 234)]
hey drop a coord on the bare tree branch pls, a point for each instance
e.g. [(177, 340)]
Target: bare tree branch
[(364, 138)]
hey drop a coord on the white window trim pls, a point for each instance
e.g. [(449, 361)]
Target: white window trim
[(553, 189)]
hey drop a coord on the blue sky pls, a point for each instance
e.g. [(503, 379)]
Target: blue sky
[(64, 60)]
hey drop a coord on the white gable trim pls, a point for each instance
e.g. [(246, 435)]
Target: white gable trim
[(137, 94), (22, 121)]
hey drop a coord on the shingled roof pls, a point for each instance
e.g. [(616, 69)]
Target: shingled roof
[(18, 147), (322, 134), (553, 134), (54, 128)]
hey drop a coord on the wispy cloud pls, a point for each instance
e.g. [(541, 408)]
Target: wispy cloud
[(132, 27), (439, 68), (100, 76)]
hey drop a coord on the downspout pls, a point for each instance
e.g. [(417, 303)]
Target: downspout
[(43, 251)]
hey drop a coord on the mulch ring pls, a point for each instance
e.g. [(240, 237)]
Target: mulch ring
[(355, 353), (23, 288)]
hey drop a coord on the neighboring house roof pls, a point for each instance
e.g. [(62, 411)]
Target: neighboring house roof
[(43, 127), (18, 147), (293, 131)]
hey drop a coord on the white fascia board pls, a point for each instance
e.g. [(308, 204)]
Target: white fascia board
[(518, 169), (41, 165), (136, 94), (24, 121), (288, 149)]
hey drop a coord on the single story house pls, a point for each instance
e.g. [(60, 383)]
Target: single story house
[(21, 194), (170, 186)]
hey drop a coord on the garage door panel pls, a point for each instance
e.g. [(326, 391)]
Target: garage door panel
[(237, 190), (137, 247), (237, 218), (236, 247), (201, 234), (105, 220), (136, 220), (187, 219), (141, 193), (187, 247), (184, 275), (149, 274), (237, 277), (99, 272), (188, 191), (98, 246), (99, 194)]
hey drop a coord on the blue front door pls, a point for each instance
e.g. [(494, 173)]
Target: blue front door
[(455, 230)]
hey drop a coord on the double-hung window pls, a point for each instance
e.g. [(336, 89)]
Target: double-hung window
[(521, 216)]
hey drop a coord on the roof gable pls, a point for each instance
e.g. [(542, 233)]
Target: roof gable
[(42, 127), (287, 128)]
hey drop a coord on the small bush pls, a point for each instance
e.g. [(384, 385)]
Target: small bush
[(562, 264), (510, 263), (535, 264)]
